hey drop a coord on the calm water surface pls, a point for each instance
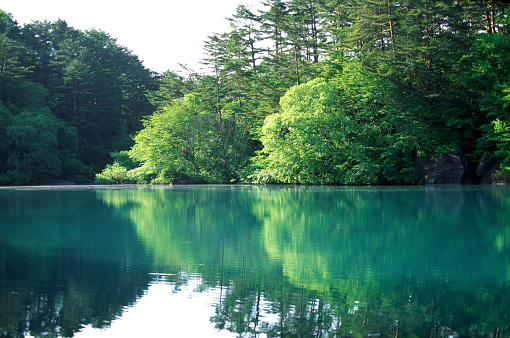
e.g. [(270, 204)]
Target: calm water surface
[(255, 261)]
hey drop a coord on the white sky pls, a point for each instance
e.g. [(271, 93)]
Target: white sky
[(163, 33)]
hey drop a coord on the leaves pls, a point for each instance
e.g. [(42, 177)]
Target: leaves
[(36, 144), (502, 137)]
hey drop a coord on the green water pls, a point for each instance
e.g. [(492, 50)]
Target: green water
[(255, 261)]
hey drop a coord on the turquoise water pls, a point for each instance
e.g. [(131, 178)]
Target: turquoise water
[(255, 261)]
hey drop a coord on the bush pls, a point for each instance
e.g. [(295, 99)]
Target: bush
[(114, 174)]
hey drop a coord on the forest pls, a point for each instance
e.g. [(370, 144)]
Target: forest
[(299, 92)]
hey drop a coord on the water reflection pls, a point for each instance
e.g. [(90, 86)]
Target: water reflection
[(338, 260), (264, 261), (65, 261), (166, 311)]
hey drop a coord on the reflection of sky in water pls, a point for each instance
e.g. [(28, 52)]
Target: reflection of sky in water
[(164, 311)]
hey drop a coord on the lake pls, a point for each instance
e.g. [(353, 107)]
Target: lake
[(255, 261)]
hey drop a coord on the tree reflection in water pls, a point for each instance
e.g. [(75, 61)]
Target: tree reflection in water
[(284, 261), (311, 261), (65, 261)]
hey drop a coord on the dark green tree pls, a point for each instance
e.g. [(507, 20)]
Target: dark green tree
[(171, 86), (12, 71), (39, 144)]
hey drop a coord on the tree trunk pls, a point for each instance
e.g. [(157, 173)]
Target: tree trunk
[(381, 30), (296, 60), (2, 70), (218, 100), (252, 47), (390, 21), (314, 32)]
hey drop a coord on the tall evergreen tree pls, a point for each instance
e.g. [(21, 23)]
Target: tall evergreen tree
[(11, 70)]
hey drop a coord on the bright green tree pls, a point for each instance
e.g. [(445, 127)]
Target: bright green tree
[(354, 130), (502, 131), (166, 146), (484, 73), (305, 143)]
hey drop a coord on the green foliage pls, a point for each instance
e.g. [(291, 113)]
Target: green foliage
[(121, 171), (36, 143), (91, 85), (5, 120), (123, 159), (486, 70), (5, 20), (350, 131), (11, 70), (182, 139), (502, 137), (114, 174), (165, 146), (303, 144), (171, 86)]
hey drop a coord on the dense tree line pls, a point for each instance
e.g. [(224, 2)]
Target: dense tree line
[(67, 99), (302, 91)]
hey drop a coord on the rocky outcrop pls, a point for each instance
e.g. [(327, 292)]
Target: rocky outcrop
[(495, 176), (485, 164), (448, 168), (454, 168)]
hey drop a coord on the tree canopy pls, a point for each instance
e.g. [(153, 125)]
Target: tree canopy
[(69, 98)]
